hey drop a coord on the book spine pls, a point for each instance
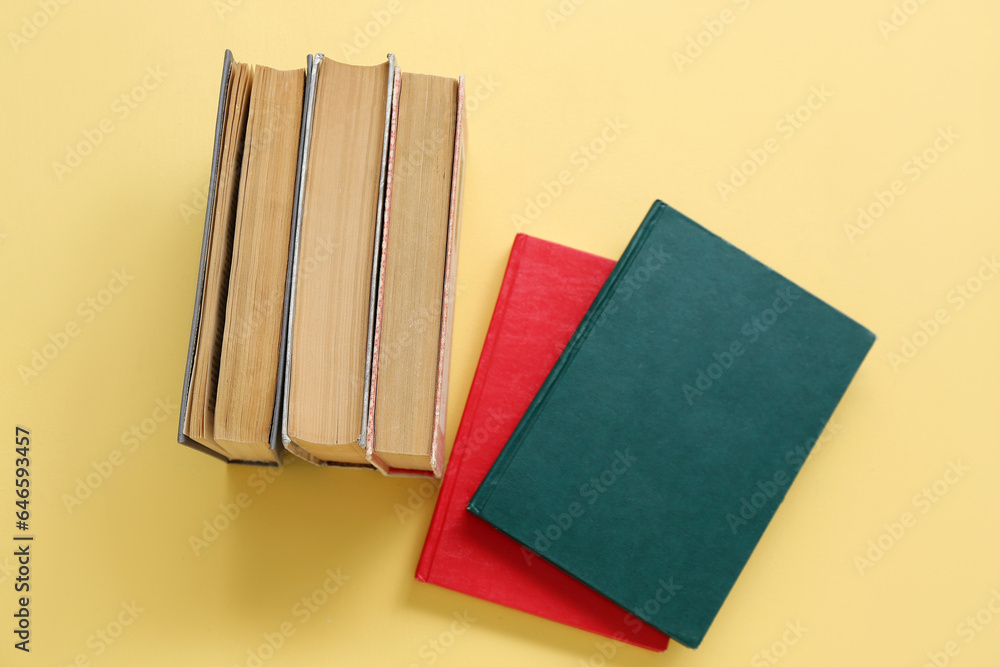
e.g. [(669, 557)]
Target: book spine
[(381, 219), (450, 274), (305, 139), (481, 498), (392, 119), (462, 447), (213, 183)]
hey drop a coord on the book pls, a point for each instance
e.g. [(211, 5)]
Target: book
[(414, 306), (545, 292), (692, 390), (235, 355), (298, 278), (329, 356), (210, 310), (388, 293)]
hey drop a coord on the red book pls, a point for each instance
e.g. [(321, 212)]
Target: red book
[(546, 291)]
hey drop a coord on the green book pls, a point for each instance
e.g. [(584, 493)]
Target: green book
[(660, 445)]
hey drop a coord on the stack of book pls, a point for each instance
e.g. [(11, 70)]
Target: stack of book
[(325, 294), (632, 428)]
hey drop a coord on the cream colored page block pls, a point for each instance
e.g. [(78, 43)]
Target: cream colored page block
[(329, 334), (249, 364), (417, 236)]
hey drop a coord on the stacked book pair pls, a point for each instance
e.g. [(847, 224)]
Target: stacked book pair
[(324, 301), (632, 428)]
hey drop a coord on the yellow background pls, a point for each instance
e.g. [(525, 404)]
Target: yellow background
[(544, 79)]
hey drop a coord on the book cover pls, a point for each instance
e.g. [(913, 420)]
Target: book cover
[(693, 388), (182, 438), (545, 292)]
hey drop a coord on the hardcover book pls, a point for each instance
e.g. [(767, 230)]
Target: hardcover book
[(300, 281), (414, 307), (346, 155), (232, 383), (693, 383), (545, 292), (390, 284)]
